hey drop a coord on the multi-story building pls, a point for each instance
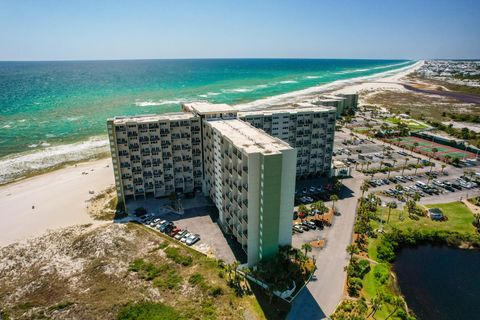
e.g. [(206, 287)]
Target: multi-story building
[(248, 173), (155, 155), (310, 130), (341, 102), (250, 176)]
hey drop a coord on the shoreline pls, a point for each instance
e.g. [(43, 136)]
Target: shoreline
[(54, 200), (62, 188), (20, 166)]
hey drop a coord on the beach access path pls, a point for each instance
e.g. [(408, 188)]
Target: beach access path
[(59, 198)]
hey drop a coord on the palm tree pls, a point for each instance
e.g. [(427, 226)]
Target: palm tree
[(443, 167), (390, 205), (368, 163), (381, 164), (434, 152), (365, 186), (415, 145), (405, 164), (448, 158), (333, 198), (396, 302), (416, 166), (431, 166), (411, 205), (304, 209), (307, 247), (352, 249), (376, 304)]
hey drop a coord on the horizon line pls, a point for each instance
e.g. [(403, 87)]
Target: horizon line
[(233, 58)]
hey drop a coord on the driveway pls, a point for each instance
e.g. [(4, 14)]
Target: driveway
[(320, 298)]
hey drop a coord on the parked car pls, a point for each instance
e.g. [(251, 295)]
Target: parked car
[(192, 239), (309, 224), (185, 237), (180, 234), (174, 231), (297, 228)]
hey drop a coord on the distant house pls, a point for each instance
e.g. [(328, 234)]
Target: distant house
[(435, 214)]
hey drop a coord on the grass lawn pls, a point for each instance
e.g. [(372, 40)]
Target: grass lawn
[(412, 124), (378, 279), (460, 219)]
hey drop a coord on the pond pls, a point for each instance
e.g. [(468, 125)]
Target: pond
[(440, 282)]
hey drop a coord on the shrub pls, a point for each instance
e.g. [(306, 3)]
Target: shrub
[(171, 281), (60, 306), (358, 269), (216, 291), (147, 270), (386, 251), (148, 311), (174, 254), (381, 273), (354, 286), (196, 278)]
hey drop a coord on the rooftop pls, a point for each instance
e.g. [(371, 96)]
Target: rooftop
[(153, 117), (206, 107), (305, 107), (248, 138)]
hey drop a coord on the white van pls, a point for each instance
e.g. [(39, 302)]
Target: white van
[(420, 184)]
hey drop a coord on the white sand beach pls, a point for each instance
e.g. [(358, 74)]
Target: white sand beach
[(59, 199), (60, 196), (379, 81)]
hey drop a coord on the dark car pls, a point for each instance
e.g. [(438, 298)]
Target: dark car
[(456, 186), (309, 224)]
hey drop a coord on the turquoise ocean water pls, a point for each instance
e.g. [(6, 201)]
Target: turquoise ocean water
[(47, 104)]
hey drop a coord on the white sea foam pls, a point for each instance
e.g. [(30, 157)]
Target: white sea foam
[(151, 103), (15, 166), (288, 81), (22, 120), (7, 126), (45, 156), (299, 95), (312, 77)]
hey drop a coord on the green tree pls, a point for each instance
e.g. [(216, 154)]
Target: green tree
[(306, 247), (352, 249), (376, 303), (304, 209), (397, 303), (333, 198), (391, 205), (405, 164), (364, 188)]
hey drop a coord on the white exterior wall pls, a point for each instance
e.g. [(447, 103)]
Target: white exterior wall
[(156, 155), (310, 132)]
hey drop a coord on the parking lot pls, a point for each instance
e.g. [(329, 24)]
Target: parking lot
[(199, 218)]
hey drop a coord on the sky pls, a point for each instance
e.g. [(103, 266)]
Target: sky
[(144, 29)]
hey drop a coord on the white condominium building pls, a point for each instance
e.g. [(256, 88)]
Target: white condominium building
[(310, 130), (155, 155), (251, 178), (341, 102), (248, 173)]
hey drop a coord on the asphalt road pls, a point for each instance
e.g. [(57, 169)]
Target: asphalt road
[(321, 297)]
